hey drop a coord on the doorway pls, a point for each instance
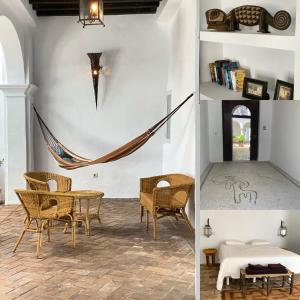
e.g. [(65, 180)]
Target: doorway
[(240, 130)]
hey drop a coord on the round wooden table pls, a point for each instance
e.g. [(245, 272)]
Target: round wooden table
[(210, 252), (83, 211)]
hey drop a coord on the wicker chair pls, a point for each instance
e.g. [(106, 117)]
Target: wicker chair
[(37, 210), (165, 201)]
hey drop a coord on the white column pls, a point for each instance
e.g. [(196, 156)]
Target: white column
[(297, 56), (30, 93), (15, 140)]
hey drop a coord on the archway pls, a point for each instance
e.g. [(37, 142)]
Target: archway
[(12, 52), (3, 80), (13, 133)]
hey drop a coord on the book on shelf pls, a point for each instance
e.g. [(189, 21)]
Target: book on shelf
[(240, 75), (227, 73), (218, 70)]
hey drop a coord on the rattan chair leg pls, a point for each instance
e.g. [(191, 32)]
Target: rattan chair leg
[(66, 228), (187, 221), (48, 230), (88, 225), (39, 242), (74, 233), (147, 219), (22, 234), (154, 227), (142, 213), (19, 240), (99, 220)]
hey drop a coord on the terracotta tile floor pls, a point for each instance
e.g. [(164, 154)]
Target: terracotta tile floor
[(119, 261)]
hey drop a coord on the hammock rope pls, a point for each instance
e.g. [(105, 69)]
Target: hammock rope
[(70, 160)]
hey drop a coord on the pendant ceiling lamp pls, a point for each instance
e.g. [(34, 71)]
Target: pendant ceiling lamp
[(91, 12)]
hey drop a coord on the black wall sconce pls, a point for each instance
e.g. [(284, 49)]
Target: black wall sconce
[(283, 229), (96, 70), (207, 229), (91, 12)]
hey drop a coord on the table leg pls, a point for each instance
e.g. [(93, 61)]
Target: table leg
[(213, 259), (98, 210), (268, 286), (292, 284), (207, 260), (87, 218), (244, 286)]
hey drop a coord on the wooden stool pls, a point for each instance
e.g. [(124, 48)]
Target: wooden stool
[(211, 252)]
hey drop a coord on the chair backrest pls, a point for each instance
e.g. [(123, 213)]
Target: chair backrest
[(179, 190), (39, 181), (34, 202)]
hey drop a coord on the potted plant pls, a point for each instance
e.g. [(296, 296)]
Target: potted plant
[(241, 140)]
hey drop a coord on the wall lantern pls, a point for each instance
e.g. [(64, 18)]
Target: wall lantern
[(207, 229), (91, 12), (283, 230), (96, 70)]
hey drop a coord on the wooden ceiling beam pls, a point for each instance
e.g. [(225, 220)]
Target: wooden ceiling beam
[(111, 7), (72, 6), (47, 13), (77, 2)]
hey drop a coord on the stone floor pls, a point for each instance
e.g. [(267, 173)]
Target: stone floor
[(240, 153), (248, 185), (119, 261), (209, 275)]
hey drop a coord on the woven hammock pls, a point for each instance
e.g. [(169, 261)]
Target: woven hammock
[(70, 161)]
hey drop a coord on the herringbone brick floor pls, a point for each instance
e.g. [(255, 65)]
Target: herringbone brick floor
[(119, 261)]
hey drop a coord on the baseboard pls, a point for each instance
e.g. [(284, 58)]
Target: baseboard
[(285, 174), (205, 173)]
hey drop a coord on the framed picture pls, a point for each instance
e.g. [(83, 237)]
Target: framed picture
[(284, 91), (255, 89)]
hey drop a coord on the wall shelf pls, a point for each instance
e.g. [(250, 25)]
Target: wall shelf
[(272, 41), (266, 57), (213, 91)]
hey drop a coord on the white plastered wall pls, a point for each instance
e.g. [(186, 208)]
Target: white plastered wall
[(131, 97), (246, 225), (179, 152), (286, 137)]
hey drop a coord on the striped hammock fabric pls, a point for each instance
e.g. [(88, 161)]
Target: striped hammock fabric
[(70, 161)]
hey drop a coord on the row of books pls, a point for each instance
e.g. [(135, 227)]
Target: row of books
[(227, 73)]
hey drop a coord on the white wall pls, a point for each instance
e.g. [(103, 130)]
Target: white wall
[(286, 137), (244, 225), (179, 154), (131, 95), (204, 138), (265, 130), (215, 130), (2, 148)]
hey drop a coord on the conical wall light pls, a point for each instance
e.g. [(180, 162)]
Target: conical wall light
[(95, 69)]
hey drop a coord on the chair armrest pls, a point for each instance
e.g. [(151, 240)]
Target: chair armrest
[(163, 195), (148, 184)]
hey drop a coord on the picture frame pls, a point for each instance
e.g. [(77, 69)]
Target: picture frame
[(255, 89), (284, 90)]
